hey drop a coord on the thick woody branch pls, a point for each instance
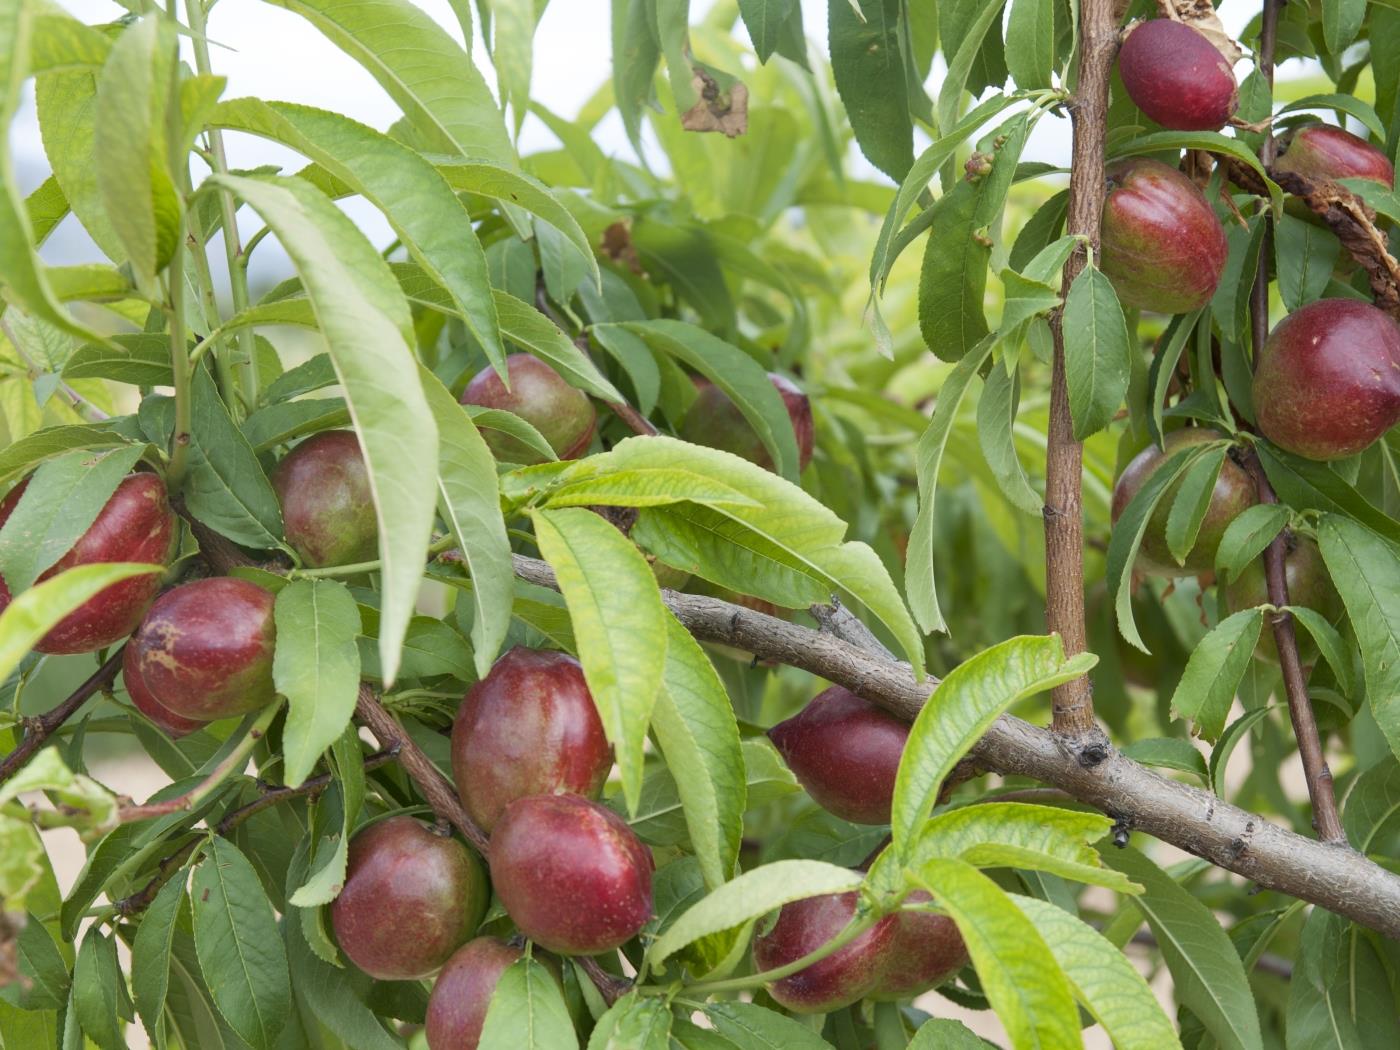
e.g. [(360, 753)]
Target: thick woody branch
[(1073, 702), (1330, 876)]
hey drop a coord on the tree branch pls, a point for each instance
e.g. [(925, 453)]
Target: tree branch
[(38, 730), (1337, 879), (1073, 702), (1324, 802)]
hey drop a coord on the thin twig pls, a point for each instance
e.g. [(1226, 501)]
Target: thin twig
[(1073, 702), (1319, 777), (39, 729)]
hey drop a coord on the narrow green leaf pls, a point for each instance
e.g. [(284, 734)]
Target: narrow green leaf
[(1030, 43), (940, 1033), (150, 953), (138, 359), (513, 52), (699, 737), (96, 978), (1217, 663), (619, 623), (330, 998), (754, 1028), (634, 1022), (749, 896), (370, 334), (526, 326), (960, 710), (1167, 752), (468, 499), (1097, 352), (240, 952), (316, 667), (32, 614), (1102, 978), (1191, 502), (1205, 967), (1336, 652), (996, 421), (764, 20), (1306, 485), (1341, 21), (1234, 733), (1246, 537), (1304, 255), (961, 61), (1372, 806), (1366, 572), (1021, 978), (527, 1011), (868, 64)]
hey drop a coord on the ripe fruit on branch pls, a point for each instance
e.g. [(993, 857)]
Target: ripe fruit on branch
[(538, 395), (1234, 493), (848, 974), (1309, 585), (462, 993), (411, 898), (168, 721), (528, 728), (716, 422), (1162, 245), (1177, 77), (327, 503), (927, 950), (1322, 152), (845, 752), (571, 874), (1327, 383), (135, 525), (204, 651)]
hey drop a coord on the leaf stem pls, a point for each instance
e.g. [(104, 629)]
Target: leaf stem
[(444, 544), (233, 252)]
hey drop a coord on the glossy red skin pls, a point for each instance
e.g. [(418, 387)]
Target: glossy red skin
[(135, 525), (1163, 247), (538, 395), (716, 422), (168, 721), (1234, 493), (571, 874), (845, 976), (1327, 383), (411, 898), (1322, 152), (205, 649), (327, 503), (1177, 77), (845, 751), (462, 993), (927, 950), (1309, 585), (530, 727)]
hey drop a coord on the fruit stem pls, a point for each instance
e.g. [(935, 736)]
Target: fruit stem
[(233, 251), (233, 762), (1321, 793), (1073, 702), (848, 933)]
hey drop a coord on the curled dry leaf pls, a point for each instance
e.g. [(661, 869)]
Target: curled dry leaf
[(1200, 15), (717, 110)]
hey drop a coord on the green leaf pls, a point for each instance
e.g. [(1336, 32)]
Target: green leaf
[(1207, 972), (699, 737), (421, 67), (96, 978), (1348, 104), (370, 335), (1213, 672), (1246, 537), (1021, 978), (134, 177), (1030, 43), (1220, 754), (61, 502), (1167, 752), (953, 279), (1340, 997), (918, 569), (749, 896), (1372, 806), (1098, 351), (513, 52), (960, 710), (1365, 569), (939, 1033), (526, 326), (468, 499), (1305, 485), (1102, 978), (316, 667), (428, 217), (41, 963), (1341, 21), (633, 1023), (23, 278), (335, 819), (1192, 501), (279, 423), (226, 488), (867, 61), (1304, 255), (961, 61), (138, 359), (619, 624), (764, 20), (239, 948), (754, 1028), (150, 952), (527, 1011), (996, 422), (331, 998), (1329, 643), (34, 613)]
